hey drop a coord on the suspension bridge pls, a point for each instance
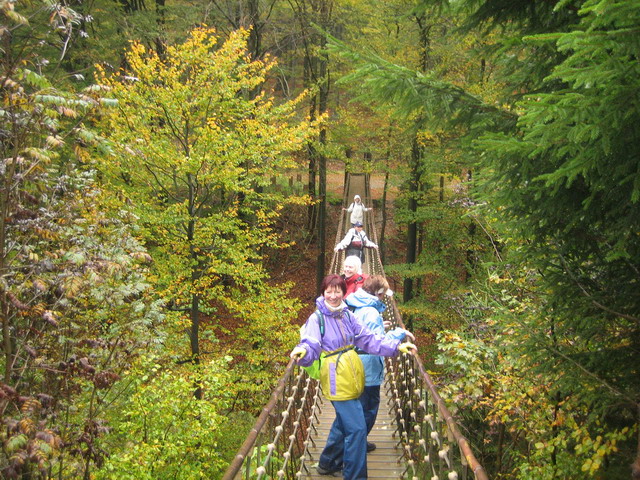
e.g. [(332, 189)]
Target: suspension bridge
[(416, 436)]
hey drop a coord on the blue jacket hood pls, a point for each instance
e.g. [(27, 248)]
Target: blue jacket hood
[(360, 298)]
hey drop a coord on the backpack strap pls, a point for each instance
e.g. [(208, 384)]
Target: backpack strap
[(320, 322)]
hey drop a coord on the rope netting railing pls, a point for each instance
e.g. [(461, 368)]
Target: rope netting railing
[(429, 442), (429, 437), (276, 444)]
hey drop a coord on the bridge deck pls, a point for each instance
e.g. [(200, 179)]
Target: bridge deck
[(382, 463)]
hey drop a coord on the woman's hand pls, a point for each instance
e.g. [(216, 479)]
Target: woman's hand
[(298, 353), (407, 348)]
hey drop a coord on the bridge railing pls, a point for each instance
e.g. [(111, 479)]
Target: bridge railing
[(429, 440), (429, 437), (276, 444)]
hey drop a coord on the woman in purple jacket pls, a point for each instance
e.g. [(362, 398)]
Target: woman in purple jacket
[(348, 436)]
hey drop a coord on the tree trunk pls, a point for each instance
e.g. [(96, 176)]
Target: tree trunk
[(385, 189), (471, 231), (383, 207), (416, 154), (323, 74), (194, 338), (635, 468), (347, 153), (412, 230), (425, 42), (5, 211), (368, 158), (196, 274), (254, 43), (255, 35), (311, 184), (160, 21), (500, 453), (311, 188)]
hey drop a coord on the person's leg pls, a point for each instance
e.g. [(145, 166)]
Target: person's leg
[(333, 452), (370, 400), (355, 439)]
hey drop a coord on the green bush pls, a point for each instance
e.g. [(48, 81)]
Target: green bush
[(163, 431)]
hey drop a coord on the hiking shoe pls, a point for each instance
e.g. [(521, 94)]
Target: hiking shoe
[(325, 471), (371, 447)]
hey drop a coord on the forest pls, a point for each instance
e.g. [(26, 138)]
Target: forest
[(166, 205)]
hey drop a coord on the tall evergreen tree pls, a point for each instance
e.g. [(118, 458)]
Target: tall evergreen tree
[(559, 169)]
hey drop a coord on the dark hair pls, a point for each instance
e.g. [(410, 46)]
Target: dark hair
[(333, 280), (374, 283)]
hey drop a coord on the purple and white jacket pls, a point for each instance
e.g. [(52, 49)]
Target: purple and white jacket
[(355, 331)]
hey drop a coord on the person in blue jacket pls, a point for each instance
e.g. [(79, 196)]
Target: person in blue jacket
[(367, 304), (346, 447)]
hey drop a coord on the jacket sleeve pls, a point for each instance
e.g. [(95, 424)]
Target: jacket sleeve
[(370, 319), (310, 340), (371, 342), (344, 243), (350, 209), (367, 242), (397, 333)]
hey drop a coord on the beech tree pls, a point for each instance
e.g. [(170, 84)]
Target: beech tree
[(73, 298), (194, 151)]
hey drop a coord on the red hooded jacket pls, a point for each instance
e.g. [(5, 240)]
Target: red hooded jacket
[(354, 282)]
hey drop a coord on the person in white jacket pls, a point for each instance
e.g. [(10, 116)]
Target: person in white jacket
[(357, 210), (355, 242)]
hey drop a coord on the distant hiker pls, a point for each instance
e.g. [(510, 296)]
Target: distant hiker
[(342, 375), (367, 304), (353, 275), (357, 210), (355, 242)]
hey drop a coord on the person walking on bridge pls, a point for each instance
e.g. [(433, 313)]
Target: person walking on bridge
[(334, 333), (367, 304), (357, 210), (355, 241)]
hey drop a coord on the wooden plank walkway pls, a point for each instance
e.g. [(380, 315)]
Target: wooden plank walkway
[(382, 463)]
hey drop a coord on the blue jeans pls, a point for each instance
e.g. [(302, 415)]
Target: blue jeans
[(346, 446), (370, 400)]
